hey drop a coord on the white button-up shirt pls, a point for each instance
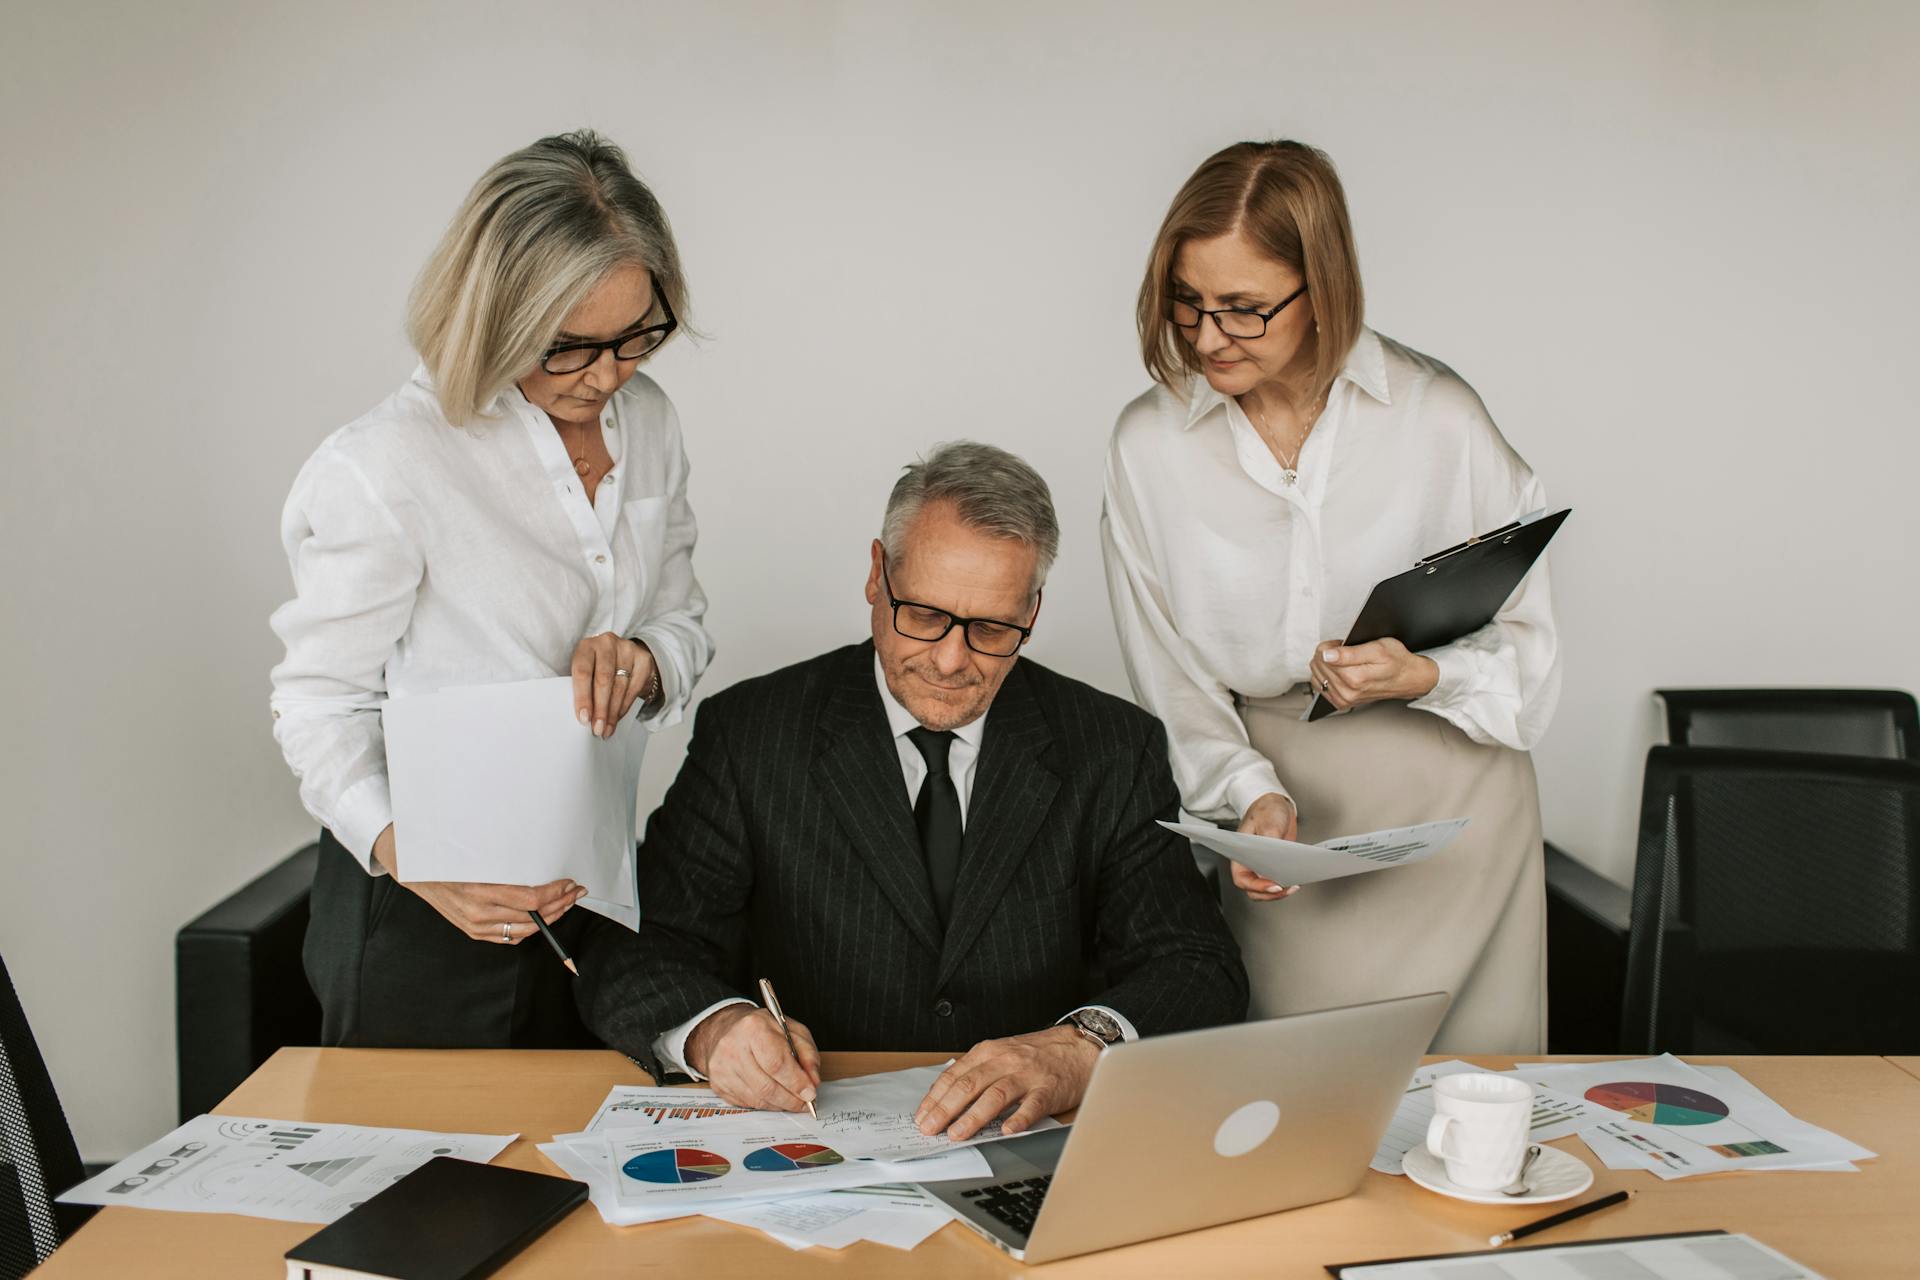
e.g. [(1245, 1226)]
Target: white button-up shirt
[(670, 1047), (427, 556), (1224, 578)]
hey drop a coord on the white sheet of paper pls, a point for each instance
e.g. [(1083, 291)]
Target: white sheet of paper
[(896, 1215), (873, 1116), (1676, 1258), (284, 1169), (1728, 1125), (499, 783), (1289, 862)]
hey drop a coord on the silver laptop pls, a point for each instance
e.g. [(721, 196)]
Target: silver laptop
[(1189, 1130)]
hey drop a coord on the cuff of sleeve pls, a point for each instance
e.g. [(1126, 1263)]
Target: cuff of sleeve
[(1127, 1032), (670, 1048), (1455, 682), (359, 816), (673, 706), (1249, 785)]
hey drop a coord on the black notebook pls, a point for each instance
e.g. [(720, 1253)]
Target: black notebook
[(1451, 593), (447, 1220)]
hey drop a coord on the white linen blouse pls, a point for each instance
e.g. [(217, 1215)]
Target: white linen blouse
[(427, 556), (1223, 578)]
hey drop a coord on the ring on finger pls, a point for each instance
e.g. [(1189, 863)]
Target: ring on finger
[(1326, 686), (621, 673), (506, 933)]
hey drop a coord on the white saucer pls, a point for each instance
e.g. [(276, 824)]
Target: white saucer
[(1556, 1175)]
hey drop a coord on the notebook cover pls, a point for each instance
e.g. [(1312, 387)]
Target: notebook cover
[(447, 1220)]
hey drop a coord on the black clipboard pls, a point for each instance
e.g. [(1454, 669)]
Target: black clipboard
[(1450, 593)]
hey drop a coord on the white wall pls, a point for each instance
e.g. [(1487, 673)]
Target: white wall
[(1670, 244)]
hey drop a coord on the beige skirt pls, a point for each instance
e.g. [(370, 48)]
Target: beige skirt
[(1470, 922)]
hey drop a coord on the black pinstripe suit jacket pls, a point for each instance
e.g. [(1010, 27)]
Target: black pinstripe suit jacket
[(786, 848)]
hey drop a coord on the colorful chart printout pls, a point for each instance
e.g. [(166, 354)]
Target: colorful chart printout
[(676, 1164), (782, 1156), (1651, 1103)]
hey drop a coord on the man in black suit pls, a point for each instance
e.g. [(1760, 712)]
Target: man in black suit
[(924, 842)]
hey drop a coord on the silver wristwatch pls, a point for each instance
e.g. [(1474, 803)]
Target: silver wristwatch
[(1096, 1026)]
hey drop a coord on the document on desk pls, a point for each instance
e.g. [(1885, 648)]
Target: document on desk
[(500, 783), (284, 1169), (872, 1116), (1289, 862), (1693, 1256)]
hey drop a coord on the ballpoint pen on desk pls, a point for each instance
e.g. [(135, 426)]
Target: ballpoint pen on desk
[(773, 1007), (554, 942), (1566, 1215)]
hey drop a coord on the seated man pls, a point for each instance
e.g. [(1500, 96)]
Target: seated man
[(923, 842)]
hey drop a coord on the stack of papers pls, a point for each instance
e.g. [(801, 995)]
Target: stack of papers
[(649, 1154), (1657, 1114), (285, 1169), (1678, 1121)]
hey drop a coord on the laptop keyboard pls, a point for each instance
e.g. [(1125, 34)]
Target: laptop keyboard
[(1014, 1203)]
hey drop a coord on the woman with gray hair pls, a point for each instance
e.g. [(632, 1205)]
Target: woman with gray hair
[(517, 510)]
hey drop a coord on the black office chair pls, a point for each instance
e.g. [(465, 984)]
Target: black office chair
[(1776, 905), (38, 1159), (1881, 723)]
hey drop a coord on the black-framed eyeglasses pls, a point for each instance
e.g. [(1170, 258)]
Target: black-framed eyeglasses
[(1235, 322), (988, 636), (634, 344)]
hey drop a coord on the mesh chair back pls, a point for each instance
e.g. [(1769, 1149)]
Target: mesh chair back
[(38, 1159), (1884, 723), (1774, 905)]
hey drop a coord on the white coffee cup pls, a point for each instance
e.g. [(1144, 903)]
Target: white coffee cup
[(1480, 1127)]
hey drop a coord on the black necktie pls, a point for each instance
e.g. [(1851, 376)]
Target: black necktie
[(937, 812)]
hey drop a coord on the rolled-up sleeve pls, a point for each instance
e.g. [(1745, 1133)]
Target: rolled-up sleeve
[(355, 575)]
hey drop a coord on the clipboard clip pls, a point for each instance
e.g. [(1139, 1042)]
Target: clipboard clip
[(1504, 533)]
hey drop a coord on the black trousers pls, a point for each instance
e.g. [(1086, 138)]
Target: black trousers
[(393, 973)]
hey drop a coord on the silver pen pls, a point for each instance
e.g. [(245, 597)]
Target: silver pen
[(773, 1007)]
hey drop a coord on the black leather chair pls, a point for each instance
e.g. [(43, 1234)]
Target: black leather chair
[(1776, 905), (240, 989), (38, 1158), (1588, 915)]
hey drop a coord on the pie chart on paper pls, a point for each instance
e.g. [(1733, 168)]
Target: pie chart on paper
[(1659, 1103), (782, 1157), (672, 1165)]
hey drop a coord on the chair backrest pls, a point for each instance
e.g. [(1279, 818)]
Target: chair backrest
[(38, 1159), (1776, 904), (1884, 723)]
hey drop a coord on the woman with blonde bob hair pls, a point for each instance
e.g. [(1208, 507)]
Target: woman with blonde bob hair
[(517, 510), (1286, 459)]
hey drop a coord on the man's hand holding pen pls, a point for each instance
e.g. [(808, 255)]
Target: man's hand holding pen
[(743, 1054)]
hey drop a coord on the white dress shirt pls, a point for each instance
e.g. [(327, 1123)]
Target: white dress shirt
[(427, 556), (671, 1046), (1224, 578)]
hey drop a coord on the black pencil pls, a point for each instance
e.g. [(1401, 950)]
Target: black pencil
[(554, 942), (1565, 1215)]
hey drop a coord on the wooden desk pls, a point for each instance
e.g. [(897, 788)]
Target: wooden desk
[(1909, 1065), (1844, 1225)]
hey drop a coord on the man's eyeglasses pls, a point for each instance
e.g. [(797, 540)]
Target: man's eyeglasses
[(631, 345), (987, 636), (1235, 322)]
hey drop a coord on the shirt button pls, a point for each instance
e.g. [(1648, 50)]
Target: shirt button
[(607, 476), (599, 559), (944, 1009)]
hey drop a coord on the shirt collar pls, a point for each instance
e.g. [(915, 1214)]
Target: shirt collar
[(1366, 368), (901, 721)]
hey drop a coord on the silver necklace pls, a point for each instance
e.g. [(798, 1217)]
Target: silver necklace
[(1289, 474)]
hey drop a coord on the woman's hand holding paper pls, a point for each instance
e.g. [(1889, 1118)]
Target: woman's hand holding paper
[(484, 912), (1271, 815)]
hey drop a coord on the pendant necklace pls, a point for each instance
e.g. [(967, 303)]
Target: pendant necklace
[(580, 464), (1289, 473)]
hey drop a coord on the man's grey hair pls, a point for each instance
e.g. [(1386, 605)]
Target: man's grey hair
[(992, 491)]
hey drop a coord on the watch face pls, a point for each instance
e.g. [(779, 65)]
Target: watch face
[(1100, 1024)]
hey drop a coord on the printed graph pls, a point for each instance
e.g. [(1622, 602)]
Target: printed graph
[(784, 1156), (1652, 1103), (671, 1165), (330, 1172), (654, 1113)]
